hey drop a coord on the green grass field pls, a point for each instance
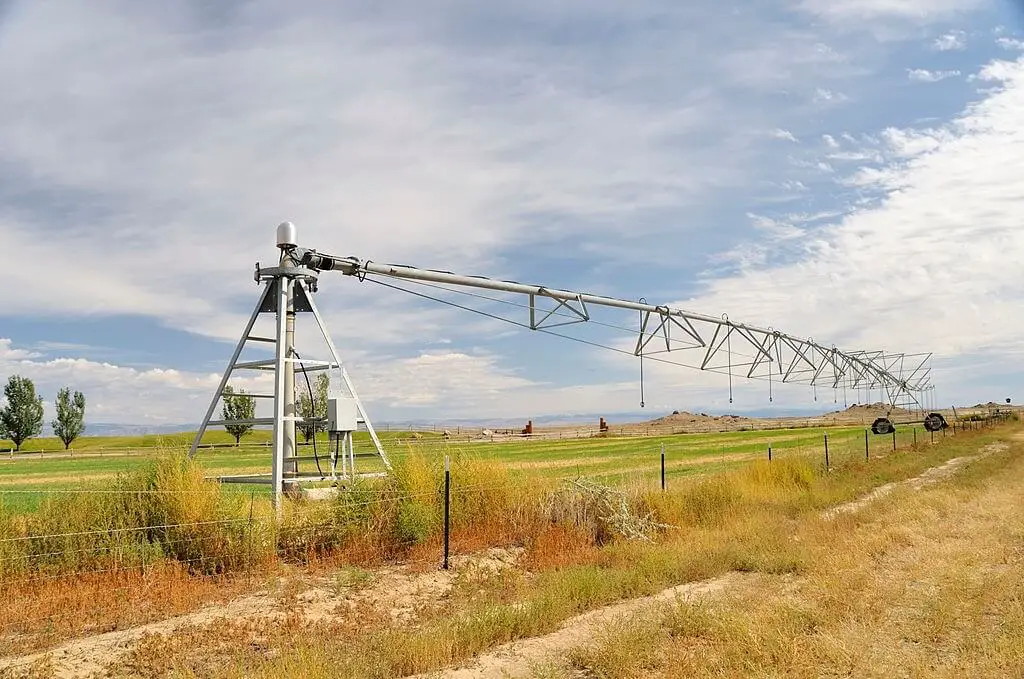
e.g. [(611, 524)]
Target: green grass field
[(44, 467)]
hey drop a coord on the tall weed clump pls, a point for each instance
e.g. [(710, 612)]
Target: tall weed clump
[(385, 517), (165, 510), (786, 485), (492, 502), (193, 520)]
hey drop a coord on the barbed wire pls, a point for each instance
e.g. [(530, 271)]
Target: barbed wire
[(624, 430), (455, 491), (243, 552)]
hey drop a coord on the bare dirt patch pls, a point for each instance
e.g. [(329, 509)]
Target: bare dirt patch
[(399, 591), (926, 478), (521, 657)]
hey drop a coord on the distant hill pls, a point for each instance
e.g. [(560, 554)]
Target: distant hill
[(115, 429)]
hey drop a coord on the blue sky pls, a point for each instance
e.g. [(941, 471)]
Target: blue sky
[(850, 170)]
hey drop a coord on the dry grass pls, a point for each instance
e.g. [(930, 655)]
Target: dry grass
[(40, 614), (166, 541), (923, 583), (758, 519), (744, 521)]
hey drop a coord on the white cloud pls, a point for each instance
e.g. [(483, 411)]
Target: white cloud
[(793, 185), (433, 385), (910, 143), (115, 393), (775, 228), (785, 135), (1010, 43), (930, 267), (925, 76), (449, 382), (148, 156), (9, 353), (813, 217), (856, 156), (952, 41), (160, 152), (823, 95), (916, 10)]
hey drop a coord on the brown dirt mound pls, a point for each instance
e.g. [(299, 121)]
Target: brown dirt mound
[(684, 418), (859, 408)]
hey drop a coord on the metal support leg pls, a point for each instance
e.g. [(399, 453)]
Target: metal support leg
[(348, 384), (352, 455), (280, 377), (269, 289), (290, 411)]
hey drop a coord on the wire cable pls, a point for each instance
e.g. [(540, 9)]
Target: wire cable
[(641, 352), (598, 345), (518, 305), (312, 407), (366, 276)]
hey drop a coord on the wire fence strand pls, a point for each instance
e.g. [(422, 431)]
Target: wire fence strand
[(305, 523)]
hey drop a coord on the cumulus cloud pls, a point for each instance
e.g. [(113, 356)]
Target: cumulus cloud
[(823, 95), (115, 393), (433, 385), (449, 383), (922, 75), (910, 143), (928, 267), (161, 150), (912, 10), (952, 41), (775, 228), (149, 151), (1010, 43)]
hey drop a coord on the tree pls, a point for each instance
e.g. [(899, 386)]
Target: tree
[(22, 417), (317, 408), (238, 406), (70, 422)]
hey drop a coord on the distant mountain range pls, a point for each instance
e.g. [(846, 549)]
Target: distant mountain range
[(628, 417), (122, 429), (111, 429)]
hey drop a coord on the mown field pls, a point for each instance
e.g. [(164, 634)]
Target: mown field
[(45, 467)]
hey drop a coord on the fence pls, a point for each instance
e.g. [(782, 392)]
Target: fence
[(415, 434), (52, 583), (57, 583)]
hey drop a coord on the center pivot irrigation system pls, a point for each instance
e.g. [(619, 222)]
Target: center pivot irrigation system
[(663, 334)]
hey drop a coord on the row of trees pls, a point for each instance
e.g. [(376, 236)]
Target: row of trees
[(238, 405), (21, 418)]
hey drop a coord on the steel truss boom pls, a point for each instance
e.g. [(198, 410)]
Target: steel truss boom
[(718, 343)]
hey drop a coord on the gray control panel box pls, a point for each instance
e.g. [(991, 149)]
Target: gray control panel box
[(342, 414)]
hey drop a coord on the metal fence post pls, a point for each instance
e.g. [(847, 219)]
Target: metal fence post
[(894, 440), (867, 446), (826, 451), (663, 467), (447, 507), (769, 452)]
